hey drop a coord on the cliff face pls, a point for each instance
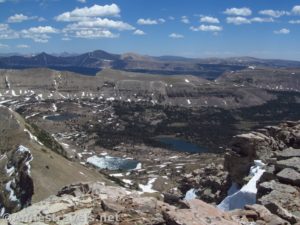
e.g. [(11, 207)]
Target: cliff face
[(279, 148)]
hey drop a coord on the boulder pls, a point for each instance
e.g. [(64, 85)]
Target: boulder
[(288, 153), (293, 163), (289, 176), (265, 215), (199, 213), (280, 199)]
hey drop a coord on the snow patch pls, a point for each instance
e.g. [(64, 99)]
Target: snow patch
[(247, 194), (190, 195), (148, 187), (32, 137)]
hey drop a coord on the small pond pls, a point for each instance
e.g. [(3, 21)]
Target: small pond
[(61, 117), (112, 163)]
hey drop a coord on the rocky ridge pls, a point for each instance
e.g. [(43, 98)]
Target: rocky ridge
[(279, 148), (94, 203)]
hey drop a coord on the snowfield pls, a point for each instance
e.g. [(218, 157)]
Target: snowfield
[(247, 194)]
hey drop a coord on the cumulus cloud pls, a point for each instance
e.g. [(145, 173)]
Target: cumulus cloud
[(282, 31), (94, 33), (212, 28), (18, 18), (139, 32), (7, 33), (238, 11), (262, 20), (148, 21), (100, 23), (23, 46), (209, 19), (238, 20), (185, 19), (176, 36), (38, 34), (273, 13), (92, 22), (85, 13), (42, 30), (81, 1), (296, 10), (294, 21)]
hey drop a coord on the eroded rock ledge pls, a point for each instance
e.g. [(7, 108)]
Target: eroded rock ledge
[(278, 147)]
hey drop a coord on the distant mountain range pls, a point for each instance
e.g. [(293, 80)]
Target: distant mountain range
[(92, 62)]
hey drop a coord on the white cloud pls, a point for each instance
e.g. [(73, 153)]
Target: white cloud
[(238, 11), (171, 18), (85, 13), (81, 1), (176, 36), (7, 33), (139, 32), (282, 31), (262, 20), (39, 34), (238, 20), (209, 19), (100, 23), (3, 46), (148, 21), (23, 46), (17, 18), (273, 13), (294, 21), (185, 19), (212, 28), (94, 33), (296, 10), (42, 30)]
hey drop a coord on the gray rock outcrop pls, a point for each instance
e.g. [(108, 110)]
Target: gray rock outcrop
[(279, 148)]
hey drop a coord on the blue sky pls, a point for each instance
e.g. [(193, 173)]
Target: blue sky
[(191, 28)]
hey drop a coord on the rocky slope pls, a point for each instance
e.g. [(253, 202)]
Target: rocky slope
[(29, 170), (93, 203), (112, 85), (279, 148)]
